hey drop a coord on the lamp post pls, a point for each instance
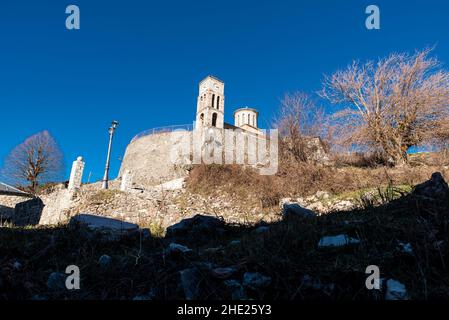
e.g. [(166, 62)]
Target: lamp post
[(108, 159)]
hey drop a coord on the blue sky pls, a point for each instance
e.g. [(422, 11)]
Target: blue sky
[(140, 61)]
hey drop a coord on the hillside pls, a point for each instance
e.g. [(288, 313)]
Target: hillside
[(209, 258)]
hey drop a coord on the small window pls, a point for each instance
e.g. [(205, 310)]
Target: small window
[(214, 120), (213, 101), (218, 102)]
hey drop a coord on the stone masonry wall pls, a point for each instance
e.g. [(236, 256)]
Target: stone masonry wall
[(157, 158), (148, 159)]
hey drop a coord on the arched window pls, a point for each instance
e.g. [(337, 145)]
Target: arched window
[(202, 118), (218, 102), (214, 120), (254, 120), (213, 101), (248, 119)]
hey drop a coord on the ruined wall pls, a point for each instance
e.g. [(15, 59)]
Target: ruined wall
[(7, 205)]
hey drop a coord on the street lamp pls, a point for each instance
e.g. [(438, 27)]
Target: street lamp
[(106, 170)]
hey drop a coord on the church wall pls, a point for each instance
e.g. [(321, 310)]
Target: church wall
[(149, 159)]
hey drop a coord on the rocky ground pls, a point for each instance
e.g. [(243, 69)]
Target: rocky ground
[(298, 255)]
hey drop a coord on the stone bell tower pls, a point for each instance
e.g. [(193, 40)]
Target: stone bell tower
[(210, 105)]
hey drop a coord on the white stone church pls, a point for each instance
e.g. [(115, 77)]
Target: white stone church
[(210, 109)]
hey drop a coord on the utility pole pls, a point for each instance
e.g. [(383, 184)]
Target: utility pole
[(108, 158)]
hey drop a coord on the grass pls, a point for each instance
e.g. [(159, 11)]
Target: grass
[(287, 253)]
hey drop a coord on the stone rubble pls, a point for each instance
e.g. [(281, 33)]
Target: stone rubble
[(255, 280), (105, 261), (337, 241), (395, 290)]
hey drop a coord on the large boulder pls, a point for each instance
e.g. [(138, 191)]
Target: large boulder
[(199, 227), (435, 188), (296, 210), (96, 222), (28, 212)]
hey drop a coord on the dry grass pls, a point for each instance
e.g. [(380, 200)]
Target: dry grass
[(300, 179)]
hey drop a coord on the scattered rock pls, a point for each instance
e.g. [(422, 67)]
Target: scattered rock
[(284, 201), (255, 280), (337, 241), (223, 273), (235, 243), (262, 230), (104, 261), (56, 281), (322, 195), (318, 207), (294, 209), (199, 227), (405, 247), (237, 290), (17, 265), (395, 290), (343, 205), (174, 248)]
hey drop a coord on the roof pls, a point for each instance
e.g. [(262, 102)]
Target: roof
[(212, 77), (246, 109), (11, 191)]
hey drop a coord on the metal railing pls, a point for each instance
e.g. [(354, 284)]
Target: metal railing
[(186, 127)]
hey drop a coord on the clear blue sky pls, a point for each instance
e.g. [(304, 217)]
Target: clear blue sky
[(140, 61)]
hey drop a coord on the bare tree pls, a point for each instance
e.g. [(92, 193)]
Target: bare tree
[(392, 105), (35, 161), (299, 119)]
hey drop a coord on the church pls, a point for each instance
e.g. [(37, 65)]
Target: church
[(210, 109), (150, 155)]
